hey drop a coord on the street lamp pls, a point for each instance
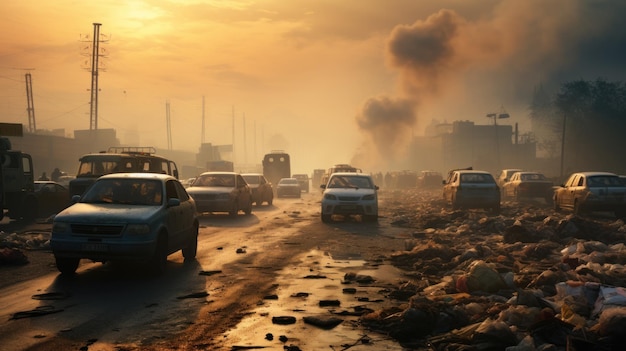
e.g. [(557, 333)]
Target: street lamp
[(503, 114)]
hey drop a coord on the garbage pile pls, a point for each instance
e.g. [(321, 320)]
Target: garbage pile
[(13, 245), (528, 279)]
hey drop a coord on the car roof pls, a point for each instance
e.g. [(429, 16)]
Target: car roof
[(466, 171), (159, 176), (353, 174), (251, 174), (217, 172), (593, 173), (529, 172)]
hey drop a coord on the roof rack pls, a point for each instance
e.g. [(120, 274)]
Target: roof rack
[(132, 150)]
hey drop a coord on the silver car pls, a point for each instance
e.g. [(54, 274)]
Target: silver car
[(592, 191), (472, 189), (221, 192), (142, 217)]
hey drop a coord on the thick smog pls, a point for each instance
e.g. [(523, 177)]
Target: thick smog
[(429, 175)]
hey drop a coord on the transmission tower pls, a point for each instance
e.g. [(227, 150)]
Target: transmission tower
[(94, 66), (30, 109)]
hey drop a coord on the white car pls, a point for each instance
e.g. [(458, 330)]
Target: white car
[(350, 193)]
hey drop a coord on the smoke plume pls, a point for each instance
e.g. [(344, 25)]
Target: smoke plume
[(460, 68)]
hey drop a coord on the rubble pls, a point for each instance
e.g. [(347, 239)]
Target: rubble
[(527, 279)]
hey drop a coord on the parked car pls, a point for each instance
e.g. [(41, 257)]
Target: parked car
[(221, 192), (528, 185), (141, 217), (592, 191), (350, 193), (52, 197), (288, 187), (505, 175), (303, 180), (472, 189), (262, 190)]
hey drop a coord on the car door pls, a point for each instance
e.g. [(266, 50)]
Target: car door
[(174, 215), (243, 192), (568, 195), (509, 187), (187, 210), (263, 195), (448, 188)]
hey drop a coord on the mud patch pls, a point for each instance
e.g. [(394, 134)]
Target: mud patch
[(318, 324)]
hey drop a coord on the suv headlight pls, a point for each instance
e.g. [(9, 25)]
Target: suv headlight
[(60, 227), (369, 197), (330, 197), (138, 229)]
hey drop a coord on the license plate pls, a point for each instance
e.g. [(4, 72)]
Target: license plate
[(95, 247), (348, 207)]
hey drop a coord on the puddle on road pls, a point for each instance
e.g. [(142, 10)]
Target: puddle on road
[(319, 277)]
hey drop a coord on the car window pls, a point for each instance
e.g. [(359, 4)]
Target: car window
[(170, 190), (225, 180), (252, 179), (603, 181), (240, 181), (581, 181), (180, 190), (476, 178)]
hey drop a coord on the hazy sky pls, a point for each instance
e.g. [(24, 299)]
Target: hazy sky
[(324, 80)]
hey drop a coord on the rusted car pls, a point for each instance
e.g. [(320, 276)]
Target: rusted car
[(528, 185)]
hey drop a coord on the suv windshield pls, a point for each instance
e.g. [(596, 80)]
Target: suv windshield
[(350, 182), (125, 191), (225, 180)]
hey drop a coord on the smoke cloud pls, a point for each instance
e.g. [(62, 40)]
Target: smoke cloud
[(460, 67)]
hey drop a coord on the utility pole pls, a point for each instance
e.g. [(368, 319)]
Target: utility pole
[(30, 109), (168, 126), (94, 66), (202, 135), (563, 147), (233, 132), (245, 145)]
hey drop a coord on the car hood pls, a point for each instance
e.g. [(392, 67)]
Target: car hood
[(209, 190), (85, 212)]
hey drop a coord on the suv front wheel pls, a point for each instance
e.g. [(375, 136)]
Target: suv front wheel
[(67, 265)]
